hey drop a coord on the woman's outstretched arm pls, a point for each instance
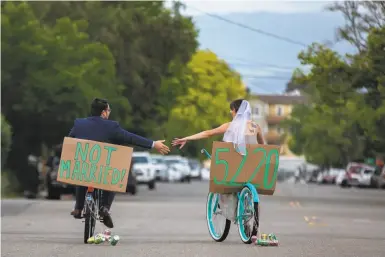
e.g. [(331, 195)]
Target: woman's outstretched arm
[(201, 135)]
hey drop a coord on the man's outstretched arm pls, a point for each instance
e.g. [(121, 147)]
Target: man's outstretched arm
[(123, 137)]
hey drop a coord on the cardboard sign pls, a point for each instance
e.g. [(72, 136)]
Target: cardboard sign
[(95, 164), (230, 171)]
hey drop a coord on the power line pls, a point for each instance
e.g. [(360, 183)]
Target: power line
[(292, 41), (264, 77)]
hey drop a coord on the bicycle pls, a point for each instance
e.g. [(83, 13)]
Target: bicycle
[(91, 211), (246, 216)]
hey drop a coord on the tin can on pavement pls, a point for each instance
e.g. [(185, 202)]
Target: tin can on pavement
[(114, 240), (107, 232), (264, 236)]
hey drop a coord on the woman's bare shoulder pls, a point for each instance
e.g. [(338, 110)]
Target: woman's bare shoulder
[(253, 124)]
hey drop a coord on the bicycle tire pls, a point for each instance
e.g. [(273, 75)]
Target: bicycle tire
[(245, 239), (90, 221), (217, 238)]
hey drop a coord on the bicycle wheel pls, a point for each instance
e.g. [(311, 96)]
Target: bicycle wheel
[(247, 215), (213, 211), (90, 219)]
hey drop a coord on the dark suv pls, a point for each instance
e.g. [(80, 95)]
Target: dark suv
[(54, 188)]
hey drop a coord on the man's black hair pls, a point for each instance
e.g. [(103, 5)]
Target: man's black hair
[(98, 105), (234, 105)]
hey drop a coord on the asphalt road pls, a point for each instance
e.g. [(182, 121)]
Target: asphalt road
[(309, 220)]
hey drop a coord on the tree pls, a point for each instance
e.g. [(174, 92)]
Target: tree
[(347, 92), (361, 17), (149, 43), (326, 130), (6, 140), (51, 76), (211, 86)]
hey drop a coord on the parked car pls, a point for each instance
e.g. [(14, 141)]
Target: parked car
[(195, 167), (54, 188), (366, 176), (181, 164), (205, 174), (329, 176), (131, 182), (173, 173), (357, 174), (312, 178), (144, 169), (378, 178), (160, 167)]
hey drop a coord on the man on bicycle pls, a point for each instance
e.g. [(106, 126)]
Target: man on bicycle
[(97, 127)]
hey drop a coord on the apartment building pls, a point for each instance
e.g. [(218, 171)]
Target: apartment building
[(270, 110)]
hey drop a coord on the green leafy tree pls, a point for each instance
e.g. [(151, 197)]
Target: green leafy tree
[(51, 76), (6, 140), (149, 43), (211, 86)]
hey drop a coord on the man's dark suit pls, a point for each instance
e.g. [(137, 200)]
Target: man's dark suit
[(107, 131)]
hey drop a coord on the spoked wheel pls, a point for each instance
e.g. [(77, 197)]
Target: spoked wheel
[(90, 220), (217, 223), (248, 216)]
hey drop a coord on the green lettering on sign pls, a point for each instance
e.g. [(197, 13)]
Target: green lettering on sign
[(223, 162), (270, 185), (65, 166), (259, 165), (92, 173), (115, 177), (265, 160), (107, 170), (98, 150), (86, 166), (231, 182), (110, 149), (83, 153), (76, 172)]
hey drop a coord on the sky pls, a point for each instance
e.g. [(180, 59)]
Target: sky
[(226, 6), (264, 71)]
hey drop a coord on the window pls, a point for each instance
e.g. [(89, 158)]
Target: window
[(140, 159), (279, 130), (256, 111), (279, 110)]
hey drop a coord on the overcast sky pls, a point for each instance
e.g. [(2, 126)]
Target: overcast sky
[(232, 6)]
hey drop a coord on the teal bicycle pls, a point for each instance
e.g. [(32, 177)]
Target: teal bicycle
[(243, 211)]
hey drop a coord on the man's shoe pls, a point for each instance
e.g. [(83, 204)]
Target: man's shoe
[(77, 214), (107, 220)]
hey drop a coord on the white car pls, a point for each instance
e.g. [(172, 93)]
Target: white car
[(340, 177), (205, 174), (160, 167), (173, 173), (366, 175), (181, 164), (144, 169), (195, 168)]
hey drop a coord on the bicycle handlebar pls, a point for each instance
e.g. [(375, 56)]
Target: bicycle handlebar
[(205, 152)]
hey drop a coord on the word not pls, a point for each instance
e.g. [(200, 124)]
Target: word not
[(89, 169), (266, 159)]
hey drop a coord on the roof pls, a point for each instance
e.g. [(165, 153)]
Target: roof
[(281, 99)]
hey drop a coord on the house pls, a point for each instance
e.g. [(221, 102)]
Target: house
[(269, 111)]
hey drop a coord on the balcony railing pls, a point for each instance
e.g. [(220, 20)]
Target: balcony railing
[(273, 137), (275, 119)]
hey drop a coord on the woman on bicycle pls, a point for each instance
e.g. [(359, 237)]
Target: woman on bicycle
[(240, 131)]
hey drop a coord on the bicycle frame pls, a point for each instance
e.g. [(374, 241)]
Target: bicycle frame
[(93, 196)]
